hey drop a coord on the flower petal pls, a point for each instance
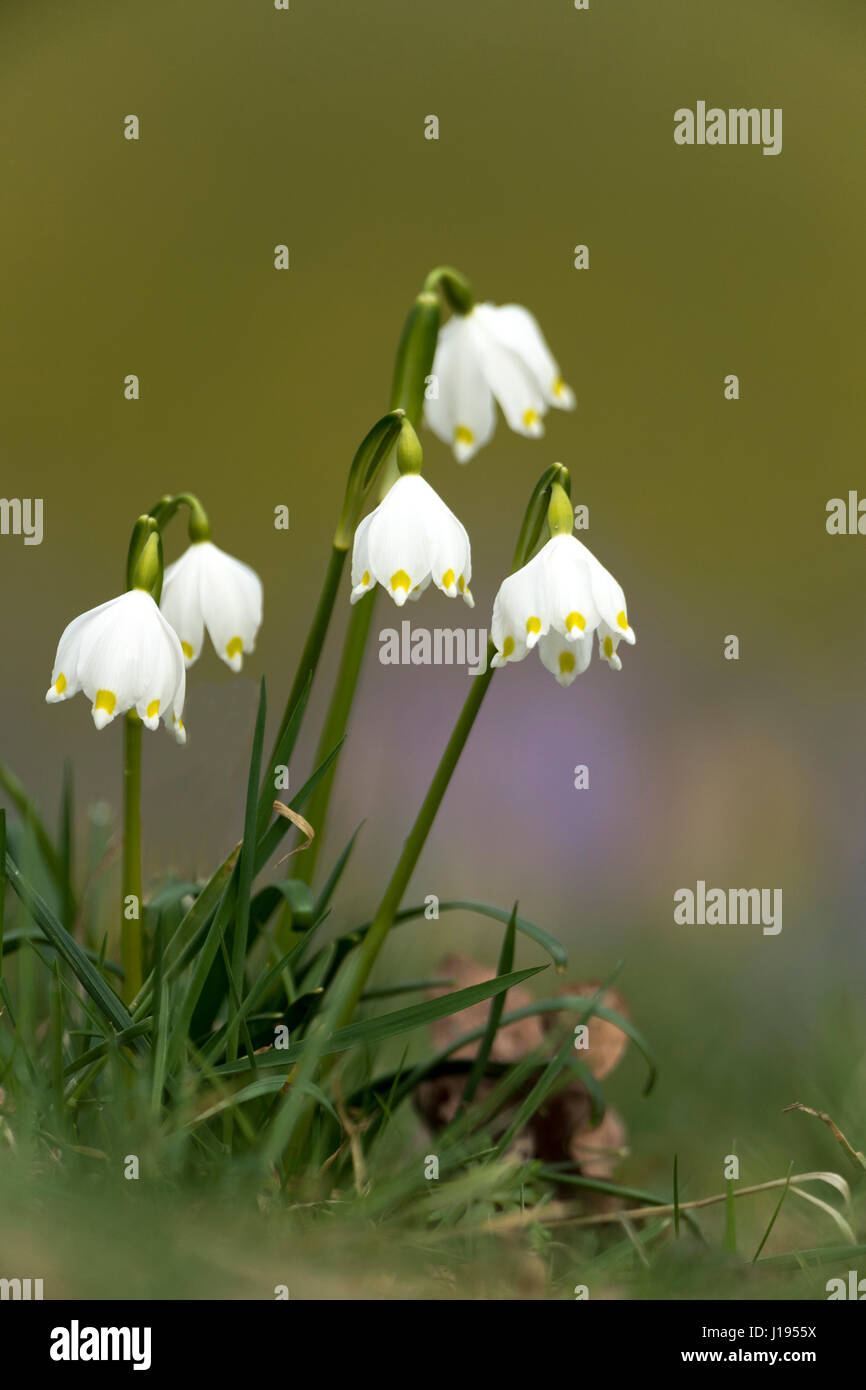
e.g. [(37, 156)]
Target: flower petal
[(231, 604), (362, 576), (567, 660), (568, 596), (608, 595), (518, 331), (509, 378), (180, 601), (517, 617), (463, 414)]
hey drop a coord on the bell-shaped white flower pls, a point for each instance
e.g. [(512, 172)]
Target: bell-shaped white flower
[(206, 588), (494, 352), (123, 655), (557, 601), (411, 538)]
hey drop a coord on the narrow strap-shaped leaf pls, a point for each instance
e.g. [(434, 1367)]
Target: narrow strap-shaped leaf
[(506, 961), (185, 941), (128, 1035), (539, 1006), (292, 891), (246, 865), (280, 758), (26, 808), (335, 875), (576, 1003), (545, 939), (23, 936), (203, 962), (778, 1208), (99, 990), (376, 1030)]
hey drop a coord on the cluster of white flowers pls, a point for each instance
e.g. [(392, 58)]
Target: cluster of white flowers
[(556, 601), (563, 595), (130, 653)]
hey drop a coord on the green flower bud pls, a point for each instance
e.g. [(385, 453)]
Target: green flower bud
[(147, 570), (145, 527), (560, 517), (536, 513), (410, 455)]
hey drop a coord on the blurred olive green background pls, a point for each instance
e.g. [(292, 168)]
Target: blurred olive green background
[(556, 128)]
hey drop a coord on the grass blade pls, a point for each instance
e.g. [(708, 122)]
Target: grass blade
[(775, 1213), (376, 1030), (335, 875), (246, 865), (67, 947), (548, 942), (280, 758), (506, 961)]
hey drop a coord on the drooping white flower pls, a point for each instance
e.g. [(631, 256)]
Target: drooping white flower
[(557, 601), (493, 352), (206, 588), (123, 655), (411, 538)]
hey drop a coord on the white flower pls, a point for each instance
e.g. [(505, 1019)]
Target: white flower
[(123, 655), (411, 538), (558, 600), (206, 588), (493, 351)]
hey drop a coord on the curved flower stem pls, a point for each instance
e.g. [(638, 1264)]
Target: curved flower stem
[(131, 924), (454, 286), (414, 844), (164, 510)]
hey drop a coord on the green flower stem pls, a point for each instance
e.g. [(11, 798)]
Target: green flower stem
[(349, 985), (335, 724), (454, 286), (413, 364), (164, 510), (198, 526), (131, 925), (350, 982), (365, 469), (545, 497), (316, 635), (384, 918)]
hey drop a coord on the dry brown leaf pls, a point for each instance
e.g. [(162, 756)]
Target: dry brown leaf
[(511, 1042), (607, 1043), (281, 809)]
